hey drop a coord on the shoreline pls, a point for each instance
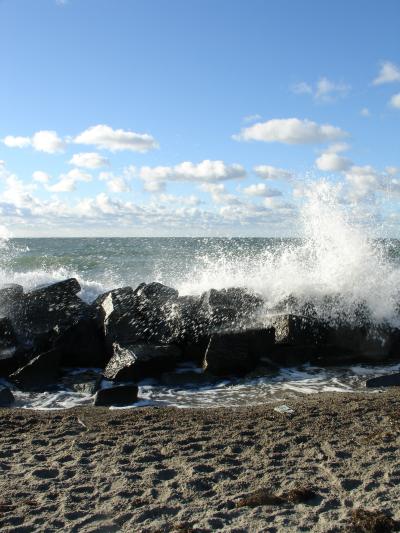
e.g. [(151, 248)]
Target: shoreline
[(167, 469)]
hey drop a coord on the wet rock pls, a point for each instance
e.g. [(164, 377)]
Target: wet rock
[(229, 308), (9, 294), (40, 373), (82, 345), (185, 319), (119, 396), (297, 330), (391, 380), (238, 352), (10, 356), (157, 293), (188, 377), (360, 343), (139, 361), (87, 381), (6, 397), (195, 351), (136, 316), (42, 314)]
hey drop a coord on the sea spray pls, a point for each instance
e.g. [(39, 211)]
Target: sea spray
[(335, 262)]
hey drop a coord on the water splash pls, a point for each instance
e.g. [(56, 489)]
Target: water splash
[(337, 259)]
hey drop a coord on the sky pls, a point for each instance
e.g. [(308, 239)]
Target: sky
[(196, 117)]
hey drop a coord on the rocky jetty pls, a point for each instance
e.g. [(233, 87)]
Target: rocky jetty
[(145, 332)]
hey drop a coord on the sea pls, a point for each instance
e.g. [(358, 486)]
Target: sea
[(333, 257)]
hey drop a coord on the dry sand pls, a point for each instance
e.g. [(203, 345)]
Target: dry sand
[(149, 469)]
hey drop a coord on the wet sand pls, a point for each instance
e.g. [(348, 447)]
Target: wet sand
[(165, 470)]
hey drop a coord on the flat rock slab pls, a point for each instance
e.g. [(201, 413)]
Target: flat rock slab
[(118, 396), (392, 380)]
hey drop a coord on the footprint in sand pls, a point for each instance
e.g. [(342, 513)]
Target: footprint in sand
[(45, 473)]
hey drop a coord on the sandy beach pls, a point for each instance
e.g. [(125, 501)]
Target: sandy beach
[(163, 469)]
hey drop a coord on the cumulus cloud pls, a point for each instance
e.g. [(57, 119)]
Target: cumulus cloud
[(269, 172), (106, 138), (16, 142), (389, 73), (155, 178), (46, 141), (41, 177), (116, 184), (290, 131), (260, 189), (395, 101), (365, 181), (191, 200), (324, 89), (219, 194), (89, 160), (67, 182), (331, 161)]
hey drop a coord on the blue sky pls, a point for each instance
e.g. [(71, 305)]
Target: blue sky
[(195, 117)]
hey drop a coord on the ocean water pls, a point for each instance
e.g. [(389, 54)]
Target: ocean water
[(335, 257)]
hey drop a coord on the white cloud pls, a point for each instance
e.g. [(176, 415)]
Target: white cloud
[(40, 176), (364, 181), (260, 189), (219, 194), (191, 200), (392, 171), (115, 183), (67, 182), (269, 172), (154, 178), (89, 160), (47, 141), (330, 161), (16, 142), (324, 90), (106, 138), (290, 131), (395, 101), (365, 112), (388, 73)]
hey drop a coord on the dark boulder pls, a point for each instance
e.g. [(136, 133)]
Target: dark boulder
[(42, 314), (156, 293), (228, 308), (139, 361), (82, 345), (6, 397), (236, 353), (40, 373), (119, 396), (187, 378), (87, 381), (136, 316), (9, 295), (186, 319), (297, 330), (10, 355), (391, 380)]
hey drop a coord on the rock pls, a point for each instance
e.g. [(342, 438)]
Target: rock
[(9, 294), (82, 345), (228, 308), (42, 314), (6, 397), (40, 373), (87, 381), (134, 317), (157, 293), (10, 357), (188, 377), (361, 343), (136, 362), (185, 319), (195, 351), (294, 330), (391, 380), (120, 396), (292, 355), (236, 353)]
